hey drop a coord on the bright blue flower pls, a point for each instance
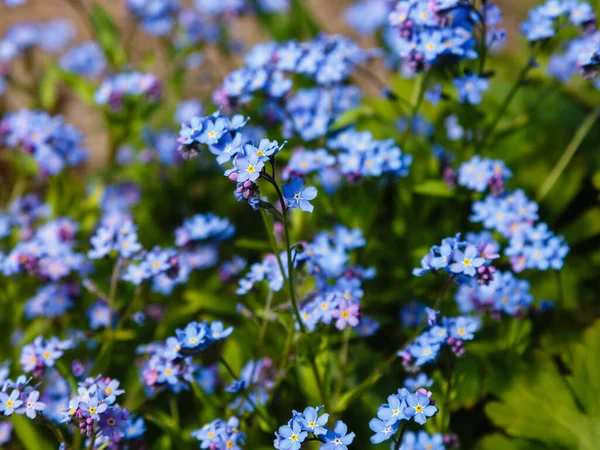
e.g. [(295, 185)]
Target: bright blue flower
[(419, 408), (249, 167), (383, 431), (9, 403), (292, 435), (298, 196), (311, 422), (467, 262), (393, 410), (339, 438)]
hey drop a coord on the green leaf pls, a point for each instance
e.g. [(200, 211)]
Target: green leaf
[(586, 370), (434, 188), (584, 227), (48, 93), (84, 88), (542, 405), (107, 34), (498, 441), (353, 116), (28, 434), (252, 244)]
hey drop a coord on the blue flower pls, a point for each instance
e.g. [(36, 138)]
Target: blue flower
[(419, 408), (467, 262), (248, 167), (420, 381), (92, 408), (470, 88), (31, 406), (311, 421), (193, 336), (463, 328), (339, 438), (8, 403), (383, 431), (393, 411), (292, 435), (217, 331), (298, 196)]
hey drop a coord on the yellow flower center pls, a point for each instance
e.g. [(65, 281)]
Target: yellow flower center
[(467, 262), (461, 331), (92, 410), (294, 437), (418, 409), (345, 314), (251, 169), (9, 403), (212, 134), (108, 390)]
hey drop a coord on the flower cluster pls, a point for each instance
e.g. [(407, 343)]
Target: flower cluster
[(156, 16), (401, 407), (47, 253), (459, 258), (42, 353), (451, 331), (218, 132), (53, 143), (506, 293), (423, 440), (328, 59), (359, 156), (202, 228), (309, 112), (543, 20), (23, 399), (514, 216), (427, 33), (169, 364), (86, 59), (116, 233), (221, 435), (257, 379), (479, 174), (131, 85), (95, 410), (52, 300), (297, 430)]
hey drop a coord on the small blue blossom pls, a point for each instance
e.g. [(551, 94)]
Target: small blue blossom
[(299, 196)]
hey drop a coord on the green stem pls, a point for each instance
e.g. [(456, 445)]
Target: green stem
[(418, 95), (446, 407), (174, 410), (401, 435), (290, 282), (567, 155), (505, 104), (92, 440), (343, 362), (114, 281), (55, 430)]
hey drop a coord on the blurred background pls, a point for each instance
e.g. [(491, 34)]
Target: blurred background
[(328, 13)]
